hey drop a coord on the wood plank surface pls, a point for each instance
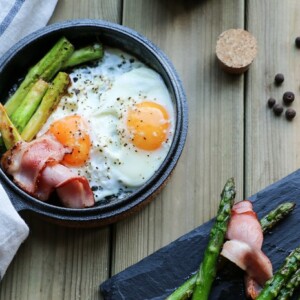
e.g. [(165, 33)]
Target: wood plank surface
[(231, 133), (272, 143), (55, 262), (187, 32)]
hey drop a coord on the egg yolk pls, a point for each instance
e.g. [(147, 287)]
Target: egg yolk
[(72, 132), (148, 125)]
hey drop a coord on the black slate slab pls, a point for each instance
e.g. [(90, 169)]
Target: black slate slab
[(156, 276)]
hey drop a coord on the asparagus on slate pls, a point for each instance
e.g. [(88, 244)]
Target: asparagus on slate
[(45, 69), (276, 215), (26, 109), (9, 132), (281, 277), (48, 104), (185, 291), (207, 270), (287, 291), (84, 55), (267, 222)]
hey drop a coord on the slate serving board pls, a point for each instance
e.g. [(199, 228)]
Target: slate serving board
[(157, 275)]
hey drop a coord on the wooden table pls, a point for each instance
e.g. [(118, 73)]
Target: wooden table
[(231, 133)]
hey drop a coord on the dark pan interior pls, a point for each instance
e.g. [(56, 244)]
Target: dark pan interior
[(15, 64)]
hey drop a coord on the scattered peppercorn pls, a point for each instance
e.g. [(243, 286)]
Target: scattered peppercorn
[(297, 41), (279, 79), (290, 114), (288, 97), (278, 109), (271, 102)]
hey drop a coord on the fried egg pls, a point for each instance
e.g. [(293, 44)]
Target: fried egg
[(118, 121)]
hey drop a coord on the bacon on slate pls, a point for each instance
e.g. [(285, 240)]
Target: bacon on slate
[(245, 238), (244, 225), (252, 260)]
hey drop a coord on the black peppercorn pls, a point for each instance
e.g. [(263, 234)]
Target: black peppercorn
[(288, 97), (290, 114), (297, 41), (278, 109), (279, 78), (271, 102)]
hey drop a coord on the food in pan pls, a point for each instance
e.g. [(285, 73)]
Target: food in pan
[(127, 118), (238, 225), (113, 120)]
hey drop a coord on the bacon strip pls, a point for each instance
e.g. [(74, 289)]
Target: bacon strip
[(26, 160), (244, 247), (252, 260), (36, 169), (73, 191), (252, 287), (244, 225)]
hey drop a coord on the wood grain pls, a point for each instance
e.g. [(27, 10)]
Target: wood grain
[(58, 263), (230, 127), (55, 262), (272, 143), (109, 10), (187, 32)]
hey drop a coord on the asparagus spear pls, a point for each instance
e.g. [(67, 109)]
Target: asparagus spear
[(26, 109), (267, 222), (185, 291), (9, 132), (287, 291), (274, 216), (207, 269), (83, 55), (274, 285), (45, 69), (48, 104)]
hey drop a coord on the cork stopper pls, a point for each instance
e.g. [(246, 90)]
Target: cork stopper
[(236, 50)]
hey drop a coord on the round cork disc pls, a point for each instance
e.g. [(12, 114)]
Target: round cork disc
[(236, 50)]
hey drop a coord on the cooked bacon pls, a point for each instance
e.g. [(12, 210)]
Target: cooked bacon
[(242, 206), (244, 247), (252, 260), (245, 227), (25, 161), (252, 287), (35, 167), (73, 191)]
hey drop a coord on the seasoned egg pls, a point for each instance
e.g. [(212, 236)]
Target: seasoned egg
[(72, 131), (137, 122), (118, 122)]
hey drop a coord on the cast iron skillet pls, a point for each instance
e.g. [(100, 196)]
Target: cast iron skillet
[(14, 65)]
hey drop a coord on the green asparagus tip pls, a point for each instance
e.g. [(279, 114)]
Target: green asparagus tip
[(277, 282), (9, 133), (288, 290), (84, 55), (276, 215)]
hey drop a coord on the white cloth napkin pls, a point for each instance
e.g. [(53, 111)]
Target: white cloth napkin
[(13, 231), (21, 17), (17, 19)]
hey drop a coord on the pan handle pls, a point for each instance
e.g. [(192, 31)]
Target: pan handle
[(16, 199)]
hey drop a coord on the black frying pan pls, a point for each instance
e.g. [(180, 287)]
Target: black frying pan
[(15, 64)]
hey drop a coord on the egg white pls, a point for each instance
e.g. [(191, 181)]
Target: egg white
[(133, 166), (102, 94)]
